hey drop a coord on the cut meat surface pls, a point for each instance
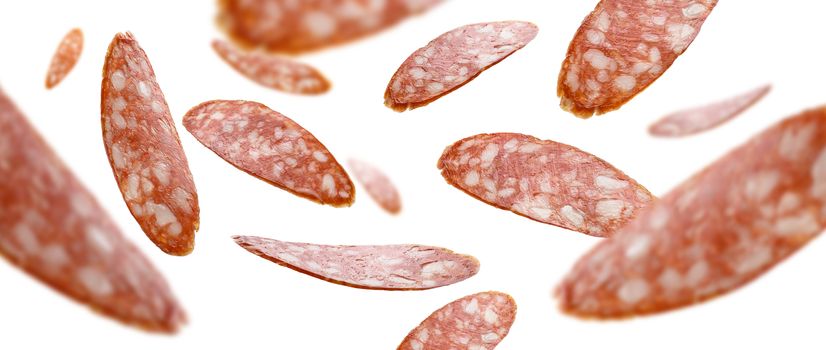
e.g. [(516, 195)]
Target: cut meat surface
[(144, 150), (478, 321), (378, 186), (452, 60), (724, 227), (546, 181), (622, 47), (271, 147), (275, 72), (65, 58), (53, 229), (388, 267)]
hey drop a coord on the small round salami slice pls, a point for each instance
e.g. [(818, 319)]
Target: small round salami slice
[(378, 185), (271, 147), (699, 119), (454, 59), (719, 230), (144, 150), (622, 47), (546, 181), (478, 321), (65, 58), (387, 267), (275, 72)]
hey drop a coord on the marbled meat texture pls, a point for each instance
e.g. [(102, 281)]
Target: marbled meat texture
[(378, 185), (65, 58)]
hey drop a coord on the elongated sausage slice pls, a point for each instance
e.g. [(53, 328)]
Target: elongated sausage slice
[(387, 267), (452, 60), (52, 228), (622, 47), (478, 321), (144, 150), (378, 185), (545, 181), (271, 147), (699, 119), (275, 72), (721, 229), (299, 26), (65, 58)]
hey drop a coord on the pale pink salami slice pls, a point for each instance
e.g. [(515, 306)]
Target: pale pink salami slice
[(52, 228), (144, 150), (378, 185), (622, 47), (387, 267), (454, 59), (546, 181), (65, 58), (699, 119), (276, 72), (721, 229), (271, 147), (478, 321)]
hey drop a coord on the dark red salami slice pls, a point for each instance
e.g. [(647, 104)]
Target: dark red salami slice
[(721, 229), (545, 181), (387, 267), (65, 58), (452, 60), (271, 147), (478, 321), (699, 119), (300, 26), (52, 228), (622, 47), (378, 185), (144, 150)]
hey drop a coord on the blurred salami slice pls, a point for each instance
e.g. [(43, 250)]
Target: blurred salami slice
[(378, 185), (65, 58)]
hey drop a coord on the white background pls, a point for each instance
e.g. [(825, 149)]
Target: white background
[(237, 300)]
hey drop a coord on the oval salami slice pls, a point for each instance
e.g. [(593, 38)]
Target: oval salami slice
[(546, 181), (275, 72), (378, 186), (271, 147), (301, 26), (65, 58), (622, 47), (699, 119), (452, 60), (478, 321), (52, 228), (144, 150), (721, 229), (388, 267)]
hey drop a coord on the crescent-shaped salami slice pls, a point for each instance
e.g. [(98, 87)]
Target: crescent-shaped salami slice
[(378, 185), (65, 58)]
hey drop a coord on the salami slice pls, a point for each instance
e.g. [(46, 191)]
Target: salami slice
[(454, 59), (271, 147), (144, 150), (300, 26), (622, 47), (721, 229), (699, 119), (65, 58), (478, 321), (275, 72), (546, 181), (388, 267), (52, 228), (378, 186)]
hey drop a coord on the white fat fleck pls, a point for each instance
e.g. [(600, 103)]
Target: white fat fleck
[(696, 273), (163, 216), (99, 239), (328, 184), (694, 10), (424, 334), (506, 34), (320, 156), (633, 290), (117, 157), (161, 172), (597, 59), (679, 35), (539, 212), (490, 152), (54, 256), (610, 208), (659, 218), (670, 279), (435, 87), (433, 268), (757, 258), (625, 83), (118, 104), (416, 345), (658, 20), (805, 223), (573, 215), (472, 307), (118, 80), (760, 185), (287, 257), (610, 183), (144, 89), (372, 282), (319, 24), (654, 55), (511, 145), (788, 201), (180, 199), (490, 337), (818, 173), (638, 246), (472, 178), (641, 67), (118, 121), (795, 141), (529, 148), (594, 36), (417, 73), (490, 316), (463, 71), (26, 238), (94, 281), (603, 21)]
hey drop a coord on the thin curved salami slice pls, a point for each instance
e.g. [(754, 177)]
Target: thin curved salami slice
[(275, 72), (65, 58), (546, 181), (301, 26), (721, 229), (144, 150), (387, 267), (478, 321), (271, 147), (699, 119), (622, 47), (454, 59), (378, 185), (52, 228)]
